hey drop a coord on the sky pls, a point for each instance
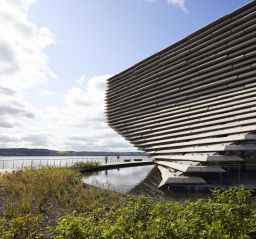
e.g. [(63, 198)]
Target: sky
[(56, 55)]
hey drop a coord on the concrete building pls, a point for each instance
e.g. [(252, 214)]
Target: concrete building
[(192, 106)]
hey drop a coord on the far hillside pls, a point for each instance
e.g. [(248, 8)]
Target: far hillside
[(47, 152)]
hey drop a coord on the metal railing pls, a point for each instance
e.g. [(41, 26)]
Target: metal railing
[(18, 163)]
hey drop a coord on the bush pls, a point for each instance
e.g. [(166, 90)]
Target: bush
[(48, 190), (71, 226), (4, 233), (227, 214), (25, 227), (85, 164), (32, 199)]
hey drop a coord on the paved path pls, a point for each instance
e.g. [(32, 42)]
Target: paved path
[(120, 164)]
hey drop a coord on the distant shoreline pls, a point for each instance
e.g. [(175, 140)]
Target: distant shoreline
[(48, 152)]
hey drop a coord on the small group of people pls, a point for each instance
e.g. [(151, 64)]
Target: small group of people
[(106, 158)]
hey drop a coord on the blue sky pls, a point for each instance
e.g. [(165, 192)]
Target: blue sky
[(55, 56)]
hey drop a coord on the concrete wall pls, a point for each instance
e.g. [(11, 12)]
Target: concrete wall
[(193, 102)]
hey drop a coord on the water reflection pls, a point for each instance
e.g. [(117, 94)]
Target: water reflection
[(120, 180), (138, 180)]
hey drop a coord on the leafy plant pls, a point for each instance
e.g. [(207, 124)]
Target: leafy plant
[(71, 226), (25, 227), (31, 197), (85, 164), (47, 189), (227, 214)]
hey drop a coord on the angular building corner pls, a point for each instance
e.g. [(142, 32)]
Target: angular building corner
[(192, 106)]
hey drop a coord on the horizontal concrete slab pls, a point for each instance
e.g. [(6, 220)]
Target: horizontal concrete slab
[(200, 158), (192, 167), (174, 178)]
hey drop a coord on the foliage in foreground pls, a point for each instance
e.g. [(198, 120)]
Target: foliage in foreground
[(227, 214), (53, 203), (49, 191), (85, 164), (21, 227)]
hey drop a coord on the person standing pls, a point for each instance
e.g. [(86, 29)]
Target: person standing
[(106, 159), (117, 156)]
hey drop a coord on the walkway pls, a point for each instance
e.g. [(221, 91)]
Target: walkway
[(118, 164), (9, 164)]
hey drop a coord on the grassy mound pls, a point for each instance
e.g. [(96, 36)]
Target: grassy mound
[(43, 195), (54, 203)]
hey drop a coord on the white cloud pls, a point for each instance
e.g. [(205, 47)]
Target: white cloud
[(22, 4), (22, 60), (176, 3), (80, 124), (76, 124), (47, 93), (81, 80), (22, 64)]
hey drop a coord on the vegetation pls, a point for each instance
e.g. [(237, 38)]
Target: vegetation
[(43, 195), (85, 164), (53, 203), (227, 214)]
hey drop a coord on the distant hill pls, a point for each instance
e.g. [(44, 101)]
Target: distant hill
[(47, 152)]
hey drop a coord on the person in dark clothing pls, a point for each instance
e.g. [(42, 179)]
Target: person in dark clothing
[(106, 159)]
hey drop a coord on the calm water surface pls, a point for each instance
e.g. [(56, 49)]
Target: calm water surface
[(137, 180), (19, 162), (119, 180)]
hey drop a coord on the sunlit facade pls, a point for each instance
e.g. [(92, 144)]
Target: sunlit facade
[(192, 106)]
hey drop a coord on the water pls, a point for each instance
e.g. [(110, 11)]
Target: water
[(119, 180), (137, 180), (145, 180), (18, 162)]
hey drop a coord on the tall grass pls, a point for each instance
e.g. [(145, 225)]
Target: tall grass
[(85, 164), (53, 203), (48, 190)]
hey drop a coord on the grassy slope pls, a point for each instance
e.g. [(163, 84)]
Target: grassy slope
[(33, 200), (48, 193)]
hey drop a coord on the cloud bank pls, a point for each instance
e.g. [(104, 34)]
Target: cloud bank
[(78, 123), (22, 65), (82, 119)]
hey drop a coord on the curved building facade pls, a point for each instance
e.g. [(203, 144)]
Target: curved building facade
[(192, 106)]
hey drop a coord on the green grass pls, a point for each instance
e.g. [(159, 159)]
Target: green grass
[(53, 203), (227, 214), (85, 164), (37, 190)]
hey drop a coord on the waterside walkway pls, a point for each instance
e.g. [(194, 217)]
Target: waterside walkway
[(118, 164), (9, 164)]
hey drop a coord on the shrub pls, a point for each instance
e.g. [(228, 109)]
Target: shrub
[(101, 214), (25, 227), (47, 189), (4, 233), (85, 164), (71, 226), (227, 214)]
